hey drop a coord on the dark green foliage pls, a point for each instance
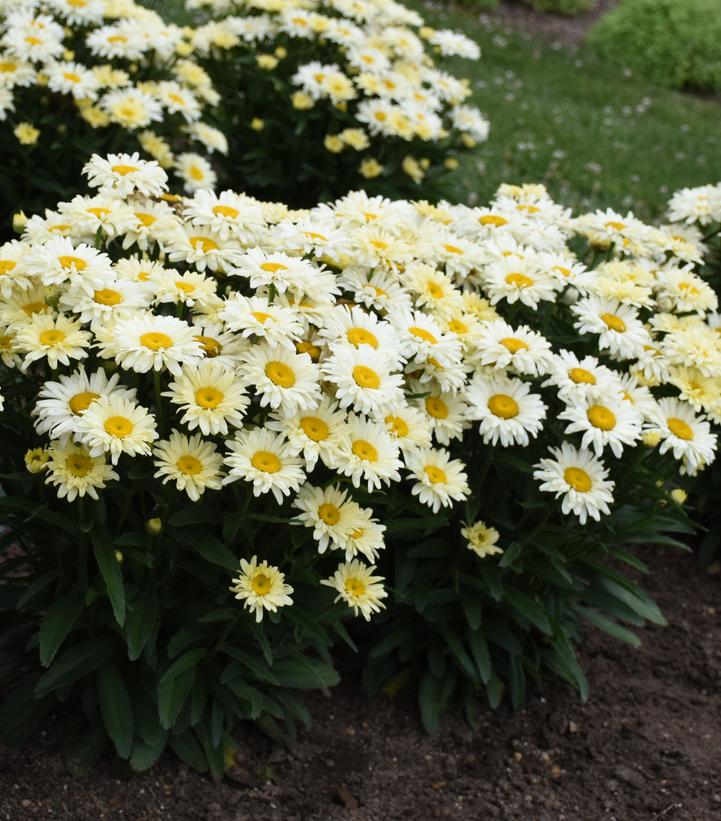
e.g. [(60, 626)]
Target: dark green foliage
[(674, 43)]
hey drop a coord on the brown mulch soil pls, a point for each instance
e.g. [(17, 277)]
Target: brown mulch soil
[(559, 27), (646, 747)]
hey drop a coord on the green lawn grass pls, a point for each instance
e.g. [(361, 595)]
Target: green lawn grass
[(560, 116)]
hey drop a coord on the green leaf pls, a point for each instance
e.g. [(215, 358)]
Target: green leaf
[(479, 650), (84, 750), (528, 609), (74, 663), (635, 599), (40, 583), (116, 710), (187, 661), (456, 647), (517, 680), (608, 626), (209, 547), (172, 695), (429, 700), (144, 755), (139, 623), (187, 748), (58, 622), (511, 553), (110, 571), (304, 672)]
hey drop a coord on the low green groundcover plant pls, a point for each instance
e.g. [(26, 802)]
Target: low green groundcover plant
[(569, 7), (236, 438), (675, 43), (332, 95)]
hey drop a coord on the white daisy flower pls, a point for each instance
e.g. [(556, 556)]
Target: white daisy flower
[(116, 424), (440, 480), (618, 327), (256, 317), (364, 380), (507, 410), (281, 379), (194, 465), (366, 453), (265, 459), (605, 420), (332, 514), (75, 472), (500, 345), (312, 432), (683, 433), (261, 586), (58, 339), (358, 588), (580, 478)]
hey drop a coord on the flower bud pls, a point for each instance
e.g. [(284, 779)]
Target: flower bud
[(154, 526)]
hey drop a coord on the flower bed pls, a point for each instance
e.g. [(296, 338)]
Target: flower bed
[(230, 428)]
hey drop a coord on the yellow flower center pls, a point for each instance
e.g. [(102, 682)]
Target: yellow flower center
[(225, 211), (189, 465), (6, 67), (67, 261), (329, 513), (422, 333), (82, 401), (156, 341), (6, 265), (366, 377), (364, 450), (315, 235), (452, 249), (107, 296), (211, 347), (306, 346), (146, 219), (266, 461), (205, 244), (614, 323), (360, 336), (355, 587), (261, 316), (78, 464), (581, 376), (118, 426), (197, 174), (680, 428), (280, 374), (99, 212), (566, 272), (492, 219), (578, 479), (435, 474), (519, 280), (399, 427), (117, 38), (71, 76), (513, 345), (260, 584), (616, 226), (457, 326), (31, 308), (209, 397), (601, 418), (51, 337), (314, 428), (503, 406), (379, 244), (435, 290), (273, 267), (185, 287), (436, 407)]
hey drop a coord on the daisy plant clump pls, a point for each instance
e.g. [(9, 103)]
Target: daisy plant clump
[(84, 76), (694, 215), (323, 96), (240, 435)]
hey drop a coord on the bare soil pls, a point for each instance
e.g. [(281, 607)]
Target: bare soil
[(570, 30), (645, 747)]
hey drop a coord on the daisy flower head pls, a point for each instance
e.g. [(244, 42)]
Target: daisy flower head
[(422, 339), (116, 424), (195, 171), (367, 453), (211, 397), (447, 413), (217, 343), (265, 459), (282, 380), (60, 404), (618, 327), (125, 174), (145, 341), (440, 480), (368, 539), (580, 478), (507, 410), (410, 427), (501, 346), (58, 261), (518, 279), (13, 276), (188, 288), (364, 380), (351, 326), (261, 586), (482, 539), (687, 436), (57, 339), (576, 376), (226, 214), (312, 432), (131, 108), (604, 419), (75, 472), (332, 514), (193, 464), (257, 317), (358, 588), (103, 301), (202, 248), (379, 290), (275, 269)]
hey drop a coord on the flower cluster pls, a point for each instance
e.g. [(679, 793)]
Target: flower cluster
[(101, 75), (350, 87), (321, 359)]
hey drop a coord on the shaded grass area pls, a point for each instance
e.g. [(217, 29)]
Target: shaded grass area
[(561, 116)]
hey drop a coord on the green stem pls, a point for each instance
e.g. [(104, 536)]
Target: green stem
[(158, 402)]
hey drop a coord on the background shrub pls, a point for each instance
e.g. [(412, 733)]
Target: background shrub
[(674, 43), (569, 7)]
